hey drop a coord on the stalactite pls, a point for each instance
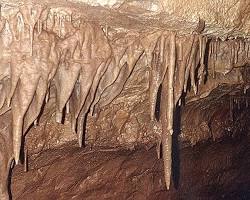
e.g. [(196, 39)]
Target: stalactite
[(235, 53), (181, 70), (89, 100), (190, 69), (114, 90), (31, 15), (23, 93), (98, 54), (210, 52), (3, 95), (232, 54), (20, 26), (148, 43), (180, 52), (47, 97), (202, 70), (237, 49), (167, 118), (246, 87), (194, 57), (242, 46), (114, 67), (89, 69), (213, 58), (60, 25), (158, 71), (47, 70), (26, 160), (248, 49), (70, 68), (87, 74), (108, 79), (64, 90), (96, 84), (67, 108), (215, 49), (15, 75), (21, 100), (200, 45)]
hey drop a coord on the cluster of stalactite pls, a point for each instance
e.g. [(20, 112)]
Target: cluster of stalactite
[(181, 63), (175, 62), (237, 104), (41, 48), (224, 55)]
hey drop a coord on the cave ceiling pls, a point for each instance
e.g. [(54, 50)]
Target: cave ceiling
[(224, 19)]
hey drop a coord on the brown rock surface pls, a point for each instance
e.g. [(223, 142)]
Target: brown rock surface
[(216, 167), (207, 171)]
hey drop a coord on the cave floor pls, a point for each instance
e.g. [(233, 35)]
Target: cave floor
[(212, 170)]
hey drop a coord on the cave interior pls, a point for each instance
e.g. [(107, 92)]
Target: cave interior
[(124, 99)]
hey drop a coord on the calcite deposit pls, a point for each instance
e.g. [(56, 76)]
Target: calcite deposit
[(106, 69)]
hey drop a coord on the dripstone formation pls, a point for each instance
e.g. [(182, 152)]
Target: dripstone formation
[(48, 51)]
